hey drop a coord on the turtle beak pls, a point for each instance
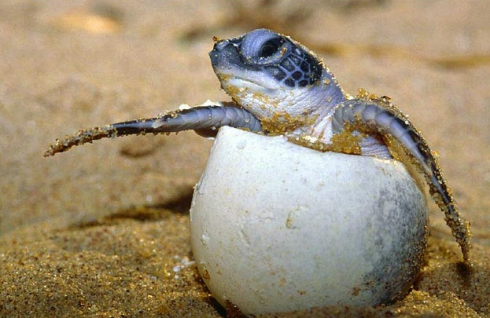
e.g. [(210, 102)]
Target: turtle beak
[(216, 54), (225, 53)]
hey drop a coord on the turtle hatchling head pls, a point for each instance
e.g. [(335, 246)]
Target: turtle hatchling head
[(274, 77)]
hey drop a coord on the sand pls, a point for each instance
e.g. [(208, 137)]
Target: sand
[(103, 230)]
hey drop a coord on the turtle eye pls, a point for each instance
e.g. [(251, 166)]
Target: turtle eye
[(270, 47), (263, 47)]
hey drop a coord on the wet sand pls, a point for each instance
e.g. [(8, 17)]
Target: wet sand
[(103, 230)]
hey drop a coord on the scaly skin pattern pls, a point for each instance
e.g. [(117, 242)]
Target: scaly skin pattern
[(279, 87), (205, 120)]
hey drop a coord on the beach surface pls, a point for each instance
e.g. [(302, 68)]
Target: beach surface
[(103, 230)]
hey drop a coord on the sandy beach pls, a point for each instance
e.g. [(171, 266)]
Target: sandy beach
[(103, 230)]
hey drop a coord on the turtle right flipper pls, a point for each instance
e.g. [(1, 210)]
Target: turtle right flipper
[(206, 120)]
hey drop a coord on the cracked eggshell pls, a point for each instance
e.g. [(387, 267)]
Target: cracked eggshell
[(278, 227)]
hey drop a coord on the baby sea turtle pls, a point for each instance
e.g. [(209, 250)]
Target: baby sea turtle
[(279, 87)]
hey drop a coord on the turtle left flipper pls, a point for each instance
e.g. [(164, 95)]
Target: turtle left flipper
[(371, 115)]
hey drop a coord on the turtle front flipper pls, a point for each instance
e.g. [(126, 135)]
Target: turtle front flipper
[(204, 119), (372, 115)]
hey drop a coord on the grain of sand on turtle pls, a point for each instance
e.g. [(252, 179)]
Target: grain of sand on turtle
[(104, 229)]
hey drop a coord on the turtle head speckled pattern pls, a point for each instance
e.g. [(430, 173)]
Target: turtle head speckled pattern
[(264, 68), (265, 51)]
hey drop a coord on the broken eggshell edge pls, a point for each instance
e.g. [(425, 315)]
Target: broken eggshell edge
[(277, 227)]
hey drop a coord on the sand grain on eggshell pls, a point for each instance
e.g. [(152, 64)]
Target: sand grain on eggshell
[(101, 231)]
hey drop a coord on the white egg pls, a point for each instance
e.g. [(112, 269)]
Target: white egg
[(278, 227)]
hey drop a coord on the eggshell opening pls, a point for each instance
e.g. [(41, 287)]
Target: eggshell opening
[(277, 227)]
